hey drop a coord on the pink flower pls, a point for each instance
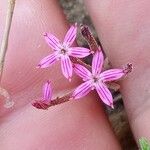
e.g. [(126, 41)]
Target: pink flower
[(47, 96), (63, 50), (96, 79), (47, 92)]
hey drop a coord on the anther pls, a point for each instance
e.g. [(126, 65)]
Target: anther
[(128, 68)]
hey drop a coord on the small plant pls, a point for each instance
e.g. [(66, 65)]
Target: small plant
[(144, 144), (95, 76)]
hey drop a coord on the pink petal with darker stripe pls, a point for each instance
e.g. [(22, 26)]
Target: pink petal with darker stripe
[(66, 66), (47, 92), (97, 62), (104, 94), (79, 52), (82, 72), (47, 61), (70, 35), (82, 90), (52, 41), (112, 74)]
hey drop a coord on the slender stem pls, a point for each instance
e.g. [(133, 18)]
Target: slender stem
[(79, 61), (88, 36), (3, 49), (58, 100), (11, 4)]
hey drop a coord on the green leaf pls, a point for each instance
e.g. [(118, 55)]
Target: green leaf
[(144, 144)]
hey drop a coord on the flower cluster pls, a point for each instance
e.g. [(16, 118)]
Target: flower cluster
[(94, 79), (63, 51)]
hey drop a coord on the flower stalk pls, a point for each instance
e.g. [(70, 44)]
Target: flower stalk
[(58, 100), (88, 36)]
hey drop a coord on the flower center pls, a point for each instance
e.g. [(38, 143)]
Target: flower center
[(63, 51), (95, 79)]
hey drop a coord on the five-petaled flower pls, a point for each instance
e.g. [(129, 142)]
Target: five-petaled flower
[(63, 51), (47, 96), (96, 79)]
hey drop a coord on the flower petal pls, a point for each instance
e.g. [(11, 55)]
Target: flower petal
[(82, 71), (52, 41), (70, 35), (97, 62), (104, 94), (111, 75), (82, 90), (47, 91), (79, 52), (66, 66), (47, 61)]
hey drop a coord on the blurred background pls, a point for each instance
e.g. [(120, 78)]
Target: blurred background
[(76, 12)]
